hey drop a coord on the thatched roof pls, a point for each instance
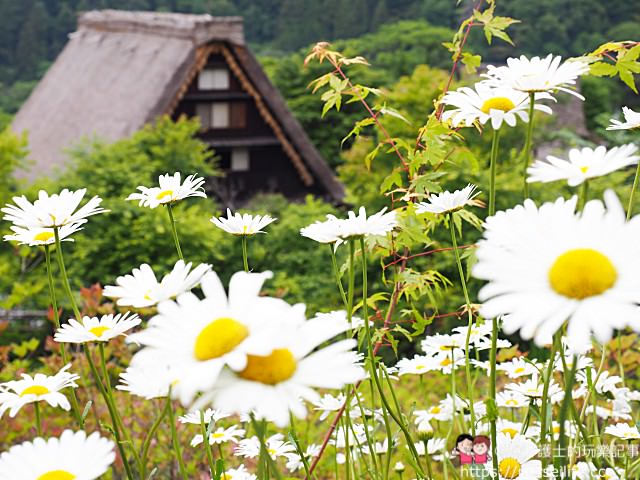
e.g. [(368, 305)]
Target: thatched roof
[(120, 70)]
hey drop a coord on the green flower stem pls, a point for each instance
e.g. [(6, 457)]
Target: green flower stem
[(584, 195), (56, 320), (370, 443), (560, 461), (36, 408), (495, 143), (372, 359), (427, 458), (174, 231), (65, 277), (174, 439), (222, 457), (494, 330), (245, 258), (266, 465), (205, 441), (463, 282), (619, 354), (112, 413), (633, 192), (336, 272), (147, 442), (352, 280), (118, 418), (555, 346), (527, 143)]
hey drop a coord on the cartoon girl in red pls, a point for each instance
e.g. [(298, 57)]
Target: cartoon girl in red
[(480, 449)]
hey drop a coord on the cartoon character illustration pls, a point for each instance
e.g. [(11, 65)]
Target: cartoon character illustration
[(480, 449), (464, 449)]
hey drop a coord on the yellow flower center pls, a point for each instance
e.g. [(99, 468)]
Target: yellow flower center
[(511, 402), (217, 435), (35, 390), (219, 337), (435, 410), (163, 194), (498, 103), (57, 475), (98, 331), (43, 236), (446, 362), (519, 370), (509, 468), (277, 367), (582, 273), (556, 429), (420, 367), (512, 432), (584, 169)]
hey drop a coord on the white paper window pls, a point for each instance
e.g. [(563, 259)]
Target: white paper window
[(220, 115), (240, 160), (213, 79)]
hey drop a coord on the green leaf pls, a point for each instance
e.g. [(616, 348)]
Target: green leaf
[(471, 62), (603, 69)]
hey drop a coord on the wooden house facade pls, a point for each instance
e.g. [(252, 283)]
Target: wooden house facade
[(121, 70)]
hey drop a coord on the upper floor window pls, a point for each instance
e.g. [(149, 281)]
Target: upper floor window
[(213, 79), (222, 115)]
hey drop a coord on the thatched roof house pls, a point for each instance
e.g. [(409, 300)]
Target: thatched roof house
[(121, 70)]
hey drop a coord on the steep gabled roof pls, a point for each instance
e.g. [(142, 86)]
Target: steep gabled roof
[(120, 70)]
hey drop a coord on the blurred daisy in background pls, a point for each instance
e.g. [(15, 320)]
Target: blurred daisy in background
[(197, 337), (210, 415), (50, 211), (73, 455), (623, 430), (276, 447), (509, 399), (94, 329), (538, 75), (449, 202), (583, 164), (170, 190), (36, 236), (240, 473), (15, 394), (549, 265), (141, 289), (631, 120), (221, 435), (242, 224), (327, 231), (484, 103), (148, 381), (518, 367)]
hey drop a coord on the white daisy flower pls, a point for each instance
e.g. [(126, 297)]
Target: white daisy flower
[(242, 224), (35, 236), (50, 211), (294, 461), (379, 223), (442, 344), (240, 473), (328, 403), (276, 447), (515, 458), (549, 265), (583, 164), (170, 190), (198, 337), (623, 430), (631, 120), (17, 393), (141, 289), (148, 381), (210, 415), (94, 329), (538, 75), (532, 389), (507, 427), (274, 384), (570, 429), (448, 202), (509, 399), (417, 365), (434, 446), (73, 455), (220, 436), (324, 232), (484, 103), (479, 332), (610, 411), (441, 412), (518, 367), (352, 436)]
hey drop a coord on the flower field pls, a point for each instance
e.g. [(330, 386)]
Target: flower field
[(179, 374)]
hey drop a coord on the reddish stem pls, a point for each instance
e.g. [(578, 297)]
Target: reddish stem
[(428, 252)]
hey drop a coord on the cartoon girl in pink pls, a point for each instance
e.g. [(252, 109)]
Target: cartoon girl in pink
[(464, 449)]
